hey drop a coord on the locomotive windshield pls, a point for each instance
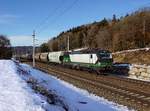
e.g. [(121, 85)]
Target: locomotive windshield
[(105, 55)]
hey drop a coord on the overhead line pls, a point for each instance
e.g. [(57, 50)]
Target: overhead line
[(61, 14), (49, 15)]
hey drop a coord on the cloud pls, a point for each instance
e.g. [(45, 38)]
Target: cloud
[(21, 40), (25, 40), (7, 18)]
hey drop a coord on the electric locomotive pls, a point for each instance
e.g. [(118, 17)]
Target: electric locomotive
[(95, 59)]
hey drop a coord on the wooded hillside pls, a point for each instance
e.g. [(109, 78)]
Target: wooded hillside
[(129, 32)]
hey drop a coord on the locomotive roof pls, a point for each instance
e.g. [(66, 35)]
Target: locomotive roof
[(95, 50)]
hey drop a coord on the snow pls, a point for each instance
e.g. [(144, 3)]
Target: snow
[(133, 77), (14, 93), (77, 99), (122, 65), (132, 50), (17, 95), (141, 65)]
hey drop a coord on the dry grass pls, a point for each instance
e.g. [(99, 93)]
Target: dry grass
[(135, 57)]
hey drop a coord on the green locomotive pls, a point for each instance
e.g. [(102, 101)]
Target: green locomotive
[(96, 59)]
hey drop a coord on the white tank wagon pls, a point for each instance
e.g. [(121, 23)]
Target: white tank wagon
[(37, 56), (55, 57), (44, 57), (26, 56)]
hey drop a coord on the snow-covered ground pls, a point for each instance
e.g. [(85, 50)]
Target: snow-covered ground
[(132, 50), (17, 95), (122, 65)]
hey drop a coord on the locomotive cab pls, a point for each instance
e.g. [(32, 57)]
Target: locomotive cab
[(105, 59)]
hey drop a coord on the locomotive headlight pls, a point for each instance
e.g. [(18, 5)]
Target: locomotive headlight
[(99, 63), (110, 56)]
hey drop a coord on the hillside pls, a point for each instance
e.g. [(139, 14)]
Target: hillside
[(129, 32), (135, 56)]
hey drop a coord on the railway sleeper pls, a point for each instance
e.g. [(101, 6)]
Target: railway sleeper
[(125, 95), (126, 92)]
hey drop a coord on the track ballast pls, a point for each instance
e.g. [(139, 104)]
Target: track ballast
[(132, 93)]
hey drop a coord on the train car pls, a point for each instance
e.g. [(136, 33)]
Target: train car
[(43, 57), (37, 56), (55, 57), (29, 57), (95, 59), (26, 56), (90, 59)]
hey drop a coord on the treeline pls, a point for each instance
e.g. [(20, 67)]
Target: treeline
[(5, 48), (129, 32)]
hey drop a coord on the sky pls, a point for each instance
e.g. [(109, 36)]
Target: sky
[(18, 18)]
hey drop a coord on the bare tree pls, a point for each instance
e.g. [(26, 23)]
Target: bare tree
[(5, 47)]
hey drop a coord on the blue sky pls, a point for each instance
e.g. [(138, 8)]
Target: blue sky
[(18, 18)]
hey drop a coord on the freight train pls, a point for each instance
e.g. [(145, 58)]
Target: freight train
[(92, 59)]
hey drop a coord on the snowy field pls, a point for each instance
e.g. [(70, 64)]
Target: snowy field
[(17, 95)]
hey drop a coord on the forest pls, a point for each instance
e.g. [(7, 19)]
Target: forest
[(116, 34), (5, 47)]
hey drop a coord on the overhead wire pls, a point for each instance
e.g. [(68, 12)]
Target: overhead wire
[(64, 11), (61, 14), (49, 15)]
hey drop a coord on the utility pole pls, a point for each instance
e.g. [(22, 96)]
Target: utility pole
[(68, 44), (144, 28), (33, 55)]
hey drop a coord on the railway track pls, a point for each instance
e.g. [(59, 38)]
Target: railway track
[(132, 93)]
